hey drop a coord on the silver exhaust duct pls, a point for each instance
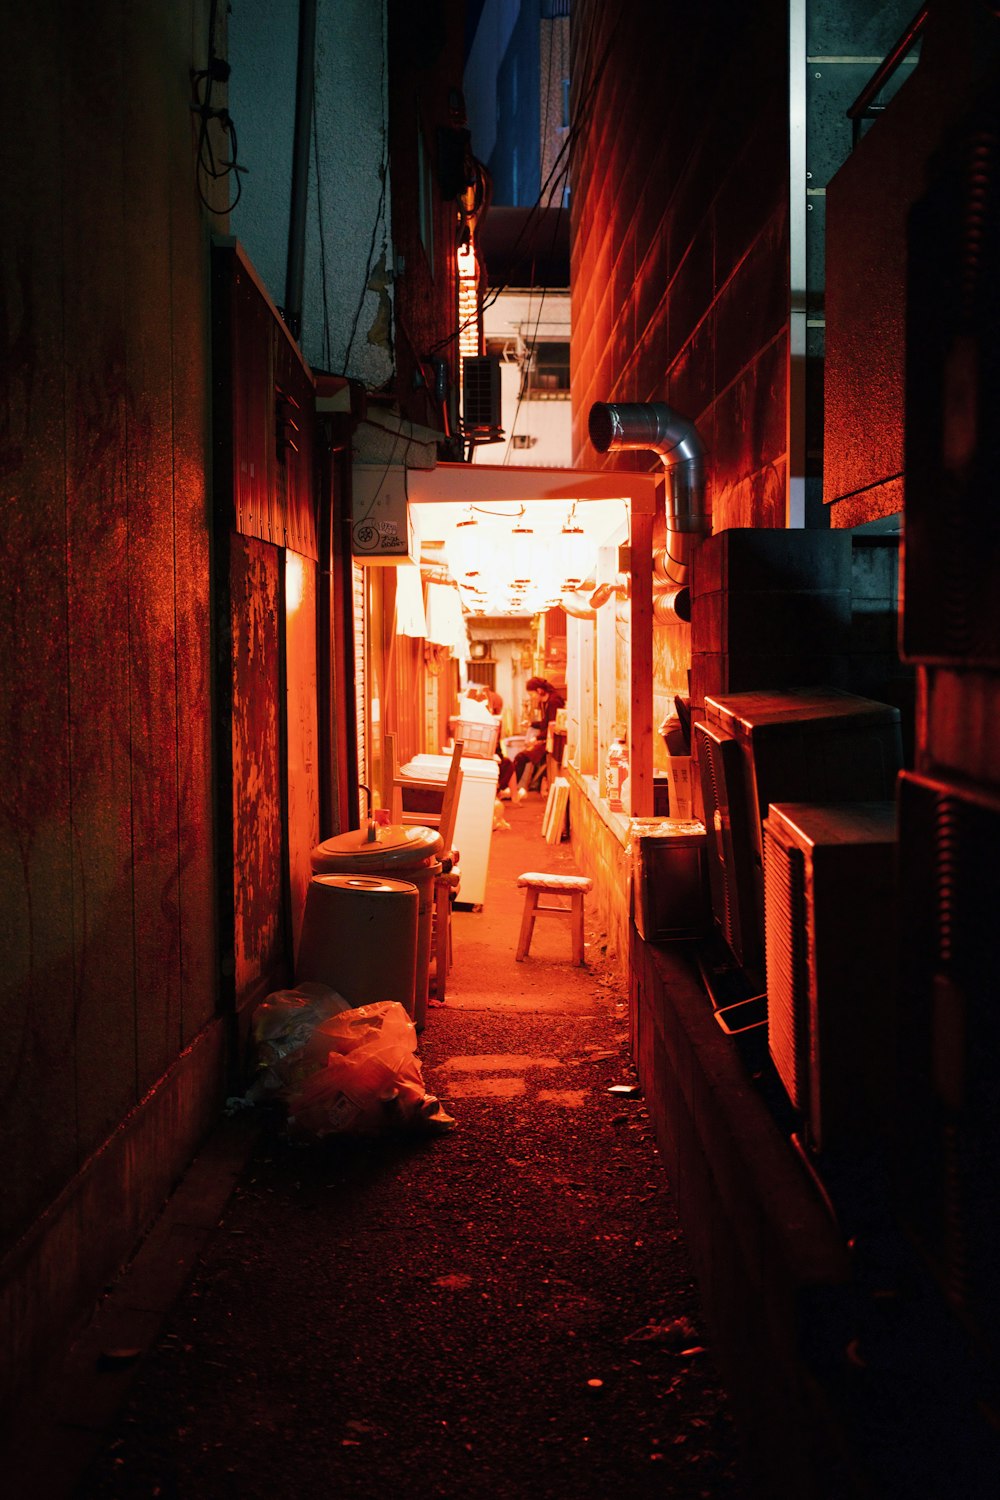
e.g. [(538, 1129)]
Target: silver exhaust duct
[(657, 427)]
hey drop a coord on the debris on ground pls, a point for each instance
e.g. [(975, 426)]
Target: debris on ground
[(340, 1069)]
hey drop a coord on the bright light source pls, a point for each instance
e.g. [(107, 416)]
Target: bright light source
[(577, 553), (294, 581)]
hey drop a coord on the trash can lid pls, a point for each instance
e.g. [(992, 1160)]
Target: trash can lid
[(667, 828), (367, 884), (398, 848)]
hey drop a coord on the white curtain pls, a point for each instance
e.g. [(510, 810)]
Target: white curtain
[(410, 618), (445, 621)]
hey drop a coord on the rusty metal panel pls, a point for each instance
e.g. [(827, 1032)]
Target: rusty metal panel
[(37, 1085), (96, 399), (295, 483), (272, 414), (189, 368), (255, 599), (302, 732), (151, 581), (252, 387)]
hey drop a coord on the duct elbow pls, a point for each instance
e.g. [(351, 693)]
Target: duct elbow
[(645, 424), (578, 605), (672, 604), (654, 426)]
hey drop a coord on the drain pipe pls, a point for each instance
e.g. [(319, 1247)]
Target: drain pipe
[(677, 442), (301, 141)]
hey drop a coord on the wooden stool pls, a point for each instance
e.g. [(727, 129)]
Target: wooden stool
[(536, 885)]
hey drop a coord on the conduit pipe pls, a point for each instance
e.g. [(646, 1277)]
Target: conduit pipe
[(655, 426), (301, 142), (578, 605)]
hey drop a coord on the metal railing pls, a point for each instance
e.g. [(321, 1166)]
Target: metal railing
[(864, 106)]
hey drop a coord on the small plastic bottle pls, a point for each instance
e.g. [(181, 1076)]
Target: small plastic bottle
[(616, 773)]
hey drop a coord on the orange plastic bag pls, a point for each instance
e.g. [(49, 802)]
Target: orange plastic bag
[(369, 1081)]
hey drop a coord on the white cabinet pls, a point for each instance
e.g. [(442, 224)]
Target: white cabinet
[(474, 824)]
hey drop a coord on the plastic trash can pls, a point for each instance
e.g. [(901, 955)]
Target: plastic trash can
[(409, 854), (359, 936), (668, 879)]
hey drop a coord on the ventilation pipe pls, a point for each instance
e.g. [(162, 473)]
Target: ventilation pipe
[(653, 425), (301, 141), (578, 605)]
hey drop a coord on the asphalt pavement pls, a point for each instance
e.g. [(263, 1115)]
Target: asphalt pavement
[(506, 1309)]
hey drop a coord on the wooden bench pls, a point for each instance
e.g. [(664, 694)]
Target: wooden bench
[(535, 884)]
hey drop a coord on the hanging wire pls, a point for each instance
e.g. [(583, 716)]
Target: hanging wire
[(379, 211), (560, 166), (525, 384), (327, 342), (216, 71)]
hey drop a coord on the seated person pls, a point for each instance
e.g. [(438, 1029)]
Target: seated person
[(548, 703), (474, 704)]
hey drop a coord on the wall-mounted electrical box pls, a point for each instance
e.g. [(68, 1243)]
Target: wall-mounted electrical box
[(382, 529)]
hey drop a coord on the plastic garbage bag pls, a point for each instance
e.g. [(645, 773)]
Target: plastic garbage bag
[(283, 1027), (371, 1080)]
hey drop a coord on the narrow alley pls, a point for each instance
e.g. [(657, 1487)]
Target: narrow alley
[(505, 1310)]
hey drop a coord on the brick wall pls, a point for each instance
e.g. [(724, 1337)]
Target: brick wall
[(679, 214)]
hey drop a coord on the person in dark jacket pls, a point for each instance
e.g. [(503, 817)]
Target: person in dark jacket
[(548, 703)]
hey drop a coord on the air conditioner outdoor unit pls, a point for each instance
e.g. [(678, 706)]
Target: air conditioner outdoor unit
[(481, 413), (948, 1102), (728, 848), (830, 903), (811, 744)]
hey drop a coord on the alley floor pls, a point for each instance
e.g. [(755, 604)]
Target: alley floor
[(506, 1310)]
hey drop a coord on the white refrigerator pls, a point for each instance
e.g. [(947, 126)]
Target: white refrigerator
[(474, 824)]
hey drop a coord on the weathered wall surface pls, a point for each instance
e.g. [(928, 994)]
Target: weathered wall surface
[(345, 304), (601, 855), (868, 205), (106, 891), (425, 82), (680, 234)]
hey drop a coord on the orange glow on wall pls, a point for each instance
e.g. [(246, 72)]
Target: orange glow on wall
[(294, 582), (468, 301)]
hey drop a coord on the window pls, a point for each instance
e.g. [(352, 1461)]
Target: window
[(546, 372)]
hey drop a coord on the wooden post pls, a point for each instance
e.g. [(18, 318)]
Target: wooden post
[(640, 747)]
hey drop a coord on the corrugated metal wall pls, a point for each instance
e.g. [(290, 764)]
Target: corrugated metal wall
[(107, 924), (267, 524)]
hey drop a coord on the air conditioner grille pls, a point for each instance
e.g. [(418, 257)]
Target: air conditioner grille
[(787, 966), (481, 414)]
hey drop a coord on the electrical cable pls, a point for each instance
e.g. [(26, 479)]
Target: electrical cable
[(216, 71), (558, 166), (379, 211), (327, 344), (525, 384)]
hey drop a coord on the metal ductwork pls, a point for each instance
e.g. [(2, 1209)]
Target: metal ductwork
[(578, 605), (657, 427)]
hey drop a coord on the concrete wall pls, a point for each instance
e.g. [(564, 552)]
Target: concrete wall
[(349, 195)]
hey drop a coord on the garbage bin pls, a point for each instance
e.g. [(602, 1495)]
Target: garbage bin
[(400, 853), (668, 879), (359, 937)]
